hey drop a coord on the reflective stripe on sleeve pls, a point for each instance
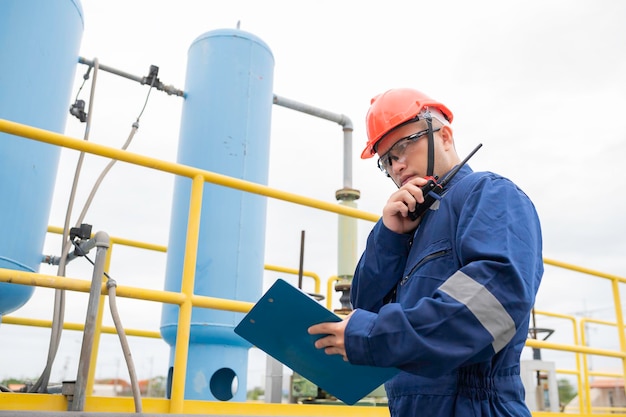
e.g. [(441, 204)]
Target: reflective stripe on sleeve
[(487, 309)]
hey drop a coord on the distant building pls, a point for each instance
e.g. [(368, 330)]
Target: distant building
[(604, 393), (16, 387), (112, 387), (120, 388)]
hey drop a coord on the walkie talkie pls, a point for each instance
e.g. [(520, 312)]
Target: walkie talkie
[(432, 189)]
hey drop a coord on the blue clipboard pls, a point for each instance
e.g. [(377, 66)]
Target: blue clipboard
[(278, 323)]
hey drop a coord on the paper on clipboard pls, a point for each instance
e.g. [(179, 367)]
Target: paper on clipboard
[(278, 323)]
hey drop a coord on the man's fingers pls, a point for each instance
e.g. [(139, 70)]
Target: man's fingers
[(325, 328), (333, 351), (322, 328), (325, 342)]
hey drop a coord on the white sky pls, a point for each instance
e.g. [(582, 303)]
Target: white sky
[(542, 84)]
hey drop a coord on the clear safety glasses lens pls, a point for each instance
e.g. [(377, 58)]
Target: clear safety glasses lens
[(398, 150)]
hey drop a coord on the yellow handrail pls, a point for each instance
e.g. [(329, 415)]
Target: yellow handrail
[(177, 169), (187, 300)]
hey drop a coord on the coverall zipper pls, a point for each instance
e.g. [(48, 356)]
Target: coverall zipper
[(422, 262)]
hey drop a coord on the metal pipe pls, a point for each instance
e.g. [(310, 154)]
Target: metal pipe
[(84, 248), (58, 312), (301, 268), (102, 245), (341, 119), (347, 196), (112, 70), (169, 89), (273, 381)]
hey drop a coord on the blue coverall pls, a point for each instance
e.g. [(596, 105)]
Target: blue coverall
[(449, 304)]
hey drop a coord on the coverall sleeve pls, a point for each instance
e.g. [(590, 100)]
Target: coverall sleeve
[(380, 267), (476, 311)]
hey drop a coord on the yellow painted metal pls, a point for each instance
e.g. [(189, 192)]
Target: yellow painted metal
[(330, 291), (44, 402), (53, 281), (221, 304), (605, 374), (568, 414), (80, 285), (620, 321), (277, 410), (615, 280), (575, 348), (583, 326), (187, 286), (294, 271), (120, 240), (186, 300), (22, 321), (42, 280), (583, 270), (578, 371), (47, 402), (178, 169)]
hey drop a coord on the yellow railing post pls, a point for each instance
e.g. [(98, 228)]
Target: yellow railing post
[(187, 288), (620, 323), (329, 291)]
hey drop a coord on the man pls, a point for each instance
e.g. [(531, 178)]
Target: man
[(446, 298)]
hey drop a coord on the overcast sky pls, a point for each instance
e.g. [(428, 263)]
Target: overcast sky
[(542, 84)]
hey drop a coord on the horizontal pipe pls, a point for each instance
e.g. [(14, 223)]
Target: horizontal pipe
[(170, 90), (341, 119)]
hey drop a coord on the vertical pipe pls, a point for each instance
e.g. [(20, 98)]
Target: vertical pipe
[(346, 248), (273, 381), (102, 245), (91, 376), (301, 267)]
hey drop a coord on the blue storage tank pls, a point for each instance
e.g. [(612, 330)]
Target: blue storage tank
[(225, 128), (40, 42)]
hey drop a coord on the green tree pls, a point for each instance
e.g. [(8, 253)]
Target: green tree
[(156, 387), (4, 384), (255, 393), (8, 381), (566, 391)]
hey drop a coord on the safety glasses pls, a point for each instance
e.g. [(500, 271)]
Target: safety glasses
[(398, 150)]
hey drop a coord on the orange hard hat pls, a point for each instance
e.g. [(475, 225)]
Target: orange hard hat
[(393, 108)]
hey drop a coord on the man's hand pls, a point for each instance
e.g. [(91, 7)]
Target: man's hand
[(396, 211), (333, 343)]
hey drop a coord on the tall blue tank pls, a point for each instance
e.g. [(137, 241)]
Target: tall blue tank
[(225, 128), (39, 44)]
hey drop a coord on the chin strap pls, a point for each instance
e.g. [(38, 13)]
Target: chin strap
[(431, 145)]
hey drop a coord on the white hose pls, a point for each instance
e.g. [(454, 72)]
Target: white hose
[(111, 285), (58, 314)]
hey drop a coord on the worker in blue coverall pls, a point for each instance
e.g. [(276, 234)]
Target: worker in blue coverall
[(446, 298)]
